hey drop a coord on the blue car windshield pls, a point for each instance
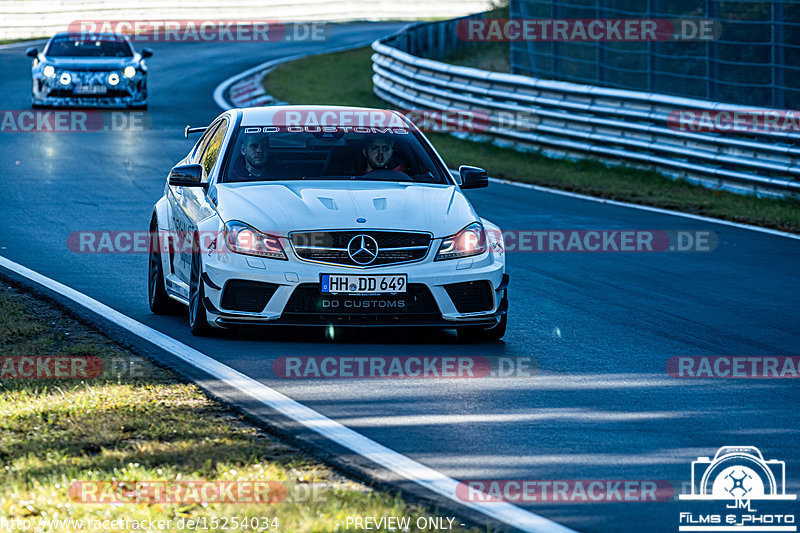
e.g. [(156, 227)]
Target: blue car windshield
[(76, 46)]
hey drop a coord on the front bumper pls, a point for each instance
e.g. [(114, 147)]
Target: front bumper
[(295, 300), (129, 92)]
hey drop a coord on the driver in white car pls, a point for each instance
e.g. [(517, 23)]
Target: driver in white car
[(252, 166)]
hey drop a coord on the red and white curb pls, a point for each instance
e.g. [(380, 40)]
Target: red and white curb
[(246, 90), (249, 91)]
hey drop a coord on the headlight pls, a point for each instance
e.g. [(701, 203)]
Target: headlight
[(113, 78), (65, 78), (243, 239), (49, 71), (129, 71), (467, 242)]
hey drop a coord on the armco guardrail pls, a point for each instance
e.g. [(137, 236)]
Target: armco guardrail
[(567, 119), (36, 18)]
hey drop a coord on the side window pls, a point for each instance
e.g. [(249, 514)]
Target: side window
[(203, 141), (210, 152)]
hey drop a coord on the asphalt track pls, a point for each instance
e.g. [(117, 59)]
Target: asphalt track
[(601, 326)]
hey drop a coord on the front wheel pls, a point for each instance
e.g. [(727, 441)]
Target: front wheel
[(198, 320), (160, 302), (479, 334)]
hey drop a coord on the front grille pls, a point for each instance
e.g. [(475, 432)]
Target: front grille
[(332, 247), (249, 296), (67, 93), (309, 305), (471, 297)]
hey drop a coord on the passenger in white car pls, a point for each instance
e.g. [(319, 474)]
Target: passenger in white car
[(378, 153)]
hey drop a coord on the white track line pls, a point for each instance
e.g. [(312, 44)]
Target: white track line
[(328, 428), (219, 91), (647, 208)]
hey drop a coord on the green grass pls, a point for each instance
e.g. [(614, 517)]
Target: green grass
[(22, 39), (144, 425), (345, 78), (488, 55), (494, 56)]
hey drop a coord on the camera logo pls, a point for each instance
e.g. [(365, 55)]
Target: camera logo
[(738, 476), (738, 473)]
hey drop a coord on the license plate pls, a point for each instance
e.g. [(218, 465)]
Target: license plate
[(371, 284), (91, 89)]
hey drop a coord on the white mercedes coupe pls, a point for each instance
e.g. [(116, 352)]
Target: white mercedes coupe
[(324, 216)]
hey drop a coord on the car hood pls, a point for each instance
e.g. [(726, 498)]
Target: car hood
[(89, 63), (279, 208)]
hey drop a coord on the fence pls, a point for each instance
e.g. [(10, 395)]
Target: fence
[(584, 121), (755, 61)]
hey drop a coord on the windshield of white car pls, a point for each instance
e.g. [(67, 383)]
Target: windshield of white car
[(77, 46), (331, 153)]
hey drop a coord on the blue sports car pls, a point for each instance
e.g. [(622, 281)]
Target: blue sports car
[(100, 70)]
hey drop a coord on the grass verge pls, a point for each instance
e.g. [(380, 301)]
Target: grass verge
[(21, 39), (138, 422), (493, 56), (348, 81)]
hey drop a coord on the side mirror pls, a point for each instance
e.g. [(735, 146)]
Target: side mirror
[(146, 52), (473, 177), (186, 176), (31, 52)]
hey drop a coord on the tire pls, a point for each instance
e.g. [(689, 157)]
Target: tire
[(478, 334), (198, 321), (159, 300)]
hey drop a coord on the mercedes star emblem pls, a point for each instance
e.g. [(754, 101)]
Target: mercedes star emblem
[(362, 249)]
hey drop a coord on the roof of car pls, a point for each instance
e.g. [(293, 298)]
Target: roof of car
[(87, 35), (295, 115)]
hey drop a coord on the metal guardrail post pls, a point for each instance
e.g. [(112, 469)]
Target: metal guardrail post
[(711, 56), (778, 53), (555, 47)]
